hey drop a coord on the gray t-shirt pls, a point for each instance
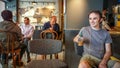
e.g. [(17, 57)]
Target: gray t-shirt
[(95, 41)]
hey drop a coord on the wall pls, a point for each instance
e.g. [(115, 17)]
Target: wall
[(2, 7), (40, 12), (77, 11)]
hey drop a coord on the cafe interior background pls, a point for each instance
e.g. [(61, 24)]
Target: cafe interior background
[(71, 16)]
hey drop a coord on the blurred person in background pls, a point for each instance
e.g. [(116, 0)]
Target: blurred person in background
[(52, 25), (105, 21), (27, 31)]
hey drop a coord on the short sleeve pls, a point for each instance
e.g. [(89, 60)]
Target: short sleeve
[(108, 38), (81, 32)]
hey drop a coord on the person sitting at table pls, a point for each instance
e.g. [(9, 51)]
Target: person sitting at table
[(52, 25), (27, 31)]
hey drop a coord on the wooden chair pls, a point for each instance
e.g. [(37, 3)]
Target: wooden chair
[(43, 34), (60, 35), (55, 35), (8, 46), (46, 47), (49, 34)]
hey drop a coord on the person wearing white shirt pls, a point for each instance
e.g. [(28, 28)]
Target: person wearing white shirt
[(27, 31)]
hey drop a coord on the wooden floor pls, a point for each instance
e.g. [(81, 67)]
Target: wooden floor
[(33, 56)]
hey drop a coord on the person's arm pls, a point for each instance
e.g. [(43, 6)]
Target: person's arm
[(56, 28), (76, 38), (106, 25), (79, 37), (103, 63), (46, 26)]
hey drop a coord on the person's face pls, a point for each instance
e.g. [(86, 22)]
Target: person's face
[(94, 20), (26, 21), (105, 12), (53, 21)]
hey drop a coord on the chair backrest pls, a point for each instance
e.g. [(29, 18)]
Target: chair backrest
[(45, 46), (7, 41), (49, 34)]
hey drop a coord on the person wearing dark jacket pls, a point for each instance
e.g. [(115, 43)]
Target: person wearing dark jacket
[(52, 25)]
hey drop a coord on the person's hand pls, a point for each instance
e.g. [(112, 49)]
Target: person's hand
[(80, 41), (51, 29), (102, 65)]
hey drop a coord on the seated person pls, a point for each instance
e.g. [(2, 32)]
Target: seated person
[(52, 25), (27, 31), (8, 25), (96, 44)]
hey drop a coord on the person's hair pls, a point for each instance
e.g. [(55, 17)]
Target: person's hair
[(54, 18), (105, 9), (96, 12), (26, 18), (7, 15)]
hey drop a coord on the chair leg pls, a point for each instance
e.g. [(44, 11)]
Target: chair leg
[(45, 56), (51, 56), (56, 56), (14, 60), (19, 60), (6, 60)]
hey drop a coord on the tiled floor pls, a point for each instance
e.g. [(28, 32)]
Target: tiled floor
[(24, 59)]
